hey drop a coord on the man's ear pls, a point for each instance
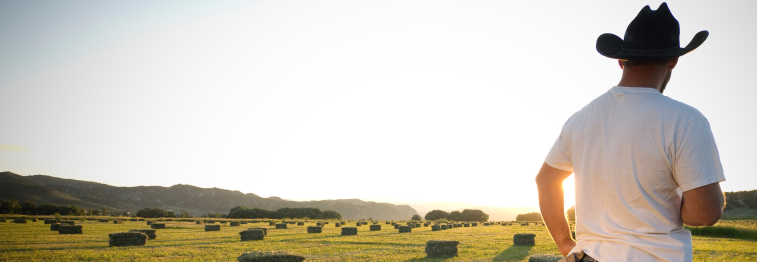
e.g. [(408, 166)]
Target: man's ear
[(620, 63), (673, 63)]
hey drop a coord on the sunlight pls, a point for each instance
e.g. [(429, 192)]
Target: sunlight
[(569, 188)]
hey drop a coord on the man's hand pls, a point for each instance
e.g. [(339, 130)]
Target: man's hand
[(551, 203), (566, 246)]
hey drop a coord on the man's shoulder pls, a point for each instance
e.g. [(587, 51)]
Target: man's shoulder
[(678, 109)]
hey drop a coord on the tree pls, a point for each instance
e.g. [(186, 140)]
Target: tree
[(474, 215), (10, 206), (27, 207), (416, 217), (436, 215), (455, 216), (152, 212), (533, 216), (571, 213)]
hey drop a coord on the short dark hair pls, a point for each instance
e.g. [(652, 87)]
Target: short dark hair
[(646, 62)]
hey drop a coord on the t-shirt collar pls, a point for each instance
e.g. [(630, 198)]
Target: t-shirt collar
[(634, 90)]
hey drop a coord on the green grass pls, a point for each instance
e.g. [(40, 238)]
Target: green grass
[(728, 229), (187, 241)]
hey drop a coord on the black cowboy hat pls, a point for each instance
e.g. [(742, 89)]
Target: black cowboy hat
[(651, 35)]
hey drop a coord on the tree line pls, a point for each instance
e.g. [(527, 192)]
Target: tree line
[(466, 215), (741, 199), (28, 207), (281, 213)]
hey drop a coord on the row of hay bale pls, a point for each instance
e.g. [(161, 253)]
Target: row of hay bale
[(433, 249)]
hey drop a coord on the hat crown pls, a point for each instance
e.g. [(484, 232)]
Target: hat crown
[(653, 30)]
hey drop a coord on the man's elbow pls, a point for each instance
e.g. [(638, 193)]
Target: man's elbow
[(707, 219)]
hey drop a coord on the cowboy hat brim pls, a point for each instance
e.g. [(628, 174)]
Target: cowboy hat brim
[(611, 46)]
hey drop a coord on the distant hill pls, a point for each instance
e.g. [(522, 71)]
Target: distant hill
[(194, 200), (495, 213)]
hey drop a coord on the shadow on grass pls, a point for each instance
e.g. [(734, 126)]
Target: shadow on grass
[(513, 253)]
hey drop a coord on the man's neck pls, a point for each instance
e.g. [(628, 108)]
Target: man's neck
[(643, 76)]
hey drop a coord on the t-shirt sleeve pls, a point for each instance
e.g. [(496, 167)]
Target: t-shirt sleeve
[(559, 155), (697, 162)]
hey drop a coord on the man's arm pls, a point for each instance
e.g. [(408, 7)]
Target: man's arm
[(551, 202), (702, 206)]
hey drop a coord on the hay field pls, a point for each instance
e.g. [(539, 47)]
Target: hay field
[(187, 241)]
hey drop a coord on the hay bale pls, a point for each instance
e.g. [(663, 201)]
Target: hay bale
[(104, 220), (2, 219), (127, 239), (387, 223), (376, 227), (426, 224), (69, 222), (486, 224), (357, 224), (281, 226), (158, 225), (265, 230), (396, 226), (252, 234), (474, 224), (149, 222), (198, 222), (364, 222), (116, 221), (69, 229), (20, 221), (210, 221), (212, 228), (233, 224), (466, 225), (436, 228), (441, 248), (315, 229), (544, 258), (149, 232), (349, 231), (337, 224), (524, 239), (34, 219), (303, 223), (524, 224), (405, 229), (133, 219), (271, 223), (270, 256), (54, 227), (243, 222), (444, 227), (47, 221)]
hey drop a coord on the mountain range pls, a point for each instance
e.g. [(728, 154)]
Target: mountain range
[(43, 189)]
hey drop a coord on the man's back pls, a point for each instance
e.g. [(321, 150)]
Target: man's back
[(631, 149)]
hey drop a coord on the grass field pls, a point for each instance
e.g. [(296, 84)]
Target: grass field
[(187, 241)]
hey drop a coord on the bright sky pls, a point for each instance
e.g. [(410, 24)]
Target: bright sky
[(399, 101)]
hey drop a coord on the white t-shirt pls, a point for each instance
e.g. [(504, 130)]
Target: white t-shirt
[(633, 152)]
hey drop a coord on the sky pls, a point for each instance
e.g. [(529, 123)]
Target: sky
[(392, 101)]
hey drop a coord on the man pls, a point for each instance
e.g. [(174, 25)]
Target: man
[(644, 163)]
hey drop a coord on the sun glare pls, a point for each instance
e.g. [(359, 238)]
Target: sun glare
[(569, 188)]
